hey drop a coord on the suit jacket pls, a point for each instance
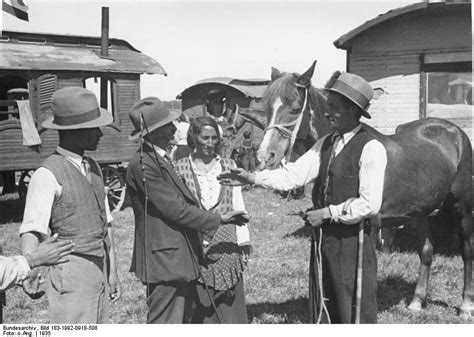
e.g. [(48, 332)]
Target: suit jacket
[(161, 252)]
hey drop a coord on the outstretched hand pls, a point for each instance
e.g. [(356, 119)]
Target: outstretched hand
[(238, 218), (236, 177)]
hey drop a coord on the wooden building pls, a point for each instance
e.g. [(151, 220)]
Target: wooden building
[(33, 66), (421, 55)]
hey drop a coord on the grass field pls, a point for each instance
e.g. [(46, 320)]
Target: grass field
[(276, 280)]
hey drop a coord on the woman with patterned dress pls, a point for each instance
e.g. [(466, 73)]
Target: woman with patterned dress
[(226, 254)]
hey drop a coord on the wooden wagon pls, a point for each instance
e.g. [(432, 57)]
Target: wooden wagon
[(246, 94), (421, 55), (33, 66)]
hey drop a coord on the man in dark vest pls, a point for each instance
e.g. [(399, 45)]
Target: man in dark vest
[(66, 196), (170, 226), (348, 166)]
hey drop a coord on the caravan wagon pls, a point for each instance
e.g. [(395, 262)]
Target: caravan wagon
[(33, 66)]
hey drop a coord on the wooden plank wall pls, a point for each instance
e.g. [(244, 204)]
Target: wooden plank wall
[(114, 146), (398, 75)]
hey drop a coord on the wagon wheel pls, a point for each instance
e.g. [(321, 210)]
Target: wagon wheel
[(24, 183), (114, 187)]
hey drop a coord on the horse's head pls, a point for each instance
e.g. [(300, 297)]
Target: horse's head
[(286, 100)]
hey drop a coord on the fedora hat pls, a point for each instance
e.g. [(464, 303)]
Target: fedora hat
[(154, 113), (356, 89), (76, 108)]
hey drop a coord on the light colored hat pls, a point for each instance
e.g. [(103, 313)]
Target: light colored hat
[(356, 89), (154, 113), (76, 108)]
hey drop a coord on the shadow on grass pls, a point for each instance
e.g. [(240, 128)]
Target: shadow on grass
[(11, 208), (292, 311), (303, 232), (392, 290)]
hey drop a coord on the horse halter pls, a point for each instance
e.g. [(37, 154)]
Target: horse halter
[(284, 128)]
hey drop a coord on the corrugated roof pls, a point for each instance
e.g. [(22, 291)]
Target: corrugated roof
[(344, 41), (253, 88), (32, 53)]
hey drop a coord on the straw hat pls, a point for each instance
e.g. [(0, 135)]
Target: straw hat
[(356, 89)]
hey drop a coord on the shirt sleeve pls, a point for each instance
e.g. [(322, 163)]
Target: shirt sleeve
[(242, 232), (292, 175), (13, 270), (42, 190), (109, 216), (373, 162)]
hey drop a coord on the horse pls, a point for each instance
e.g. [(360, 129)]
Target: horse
[(428, 168)]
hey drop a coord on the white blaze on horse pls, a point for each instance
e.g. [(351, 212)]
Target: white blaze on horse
[(428, 168)]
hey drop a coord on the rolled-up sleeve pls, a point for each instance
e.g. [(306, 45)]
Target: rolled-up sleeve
[(373, 162), (292, 175), (42, 190), (13, 270)]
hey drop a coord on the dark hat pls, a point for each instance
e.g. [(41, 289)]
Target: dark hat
[(154, 113), (356, 89), (76, 108)]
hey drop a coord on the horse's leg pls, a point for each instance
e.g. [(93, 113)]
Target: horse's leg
[(465, 235), (426, 256)]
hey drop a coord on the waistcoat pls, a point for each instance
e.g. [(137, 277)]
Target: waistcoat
[(79, 214), (342, 174)]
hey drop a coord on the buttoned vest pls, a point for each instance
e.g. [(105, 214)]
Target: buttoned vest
[(79, 213), (341, 175)]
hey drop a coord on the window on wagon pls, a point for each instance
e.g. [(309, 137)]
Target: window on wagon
[(104, 89), (448, 86)]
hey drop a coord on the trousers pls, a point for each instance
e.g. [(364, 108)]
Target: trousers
[(339, 248), (76, 291)]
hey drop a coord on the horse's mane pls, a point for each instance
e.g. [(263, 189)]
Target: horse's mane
[(283, 87)]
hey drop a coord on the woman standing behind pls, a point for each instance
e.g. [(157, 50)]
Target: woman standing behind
[(227, 252)]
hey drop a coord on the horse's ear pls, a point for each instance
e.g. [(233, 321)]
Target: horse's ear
[(275, 74), (305, 79)]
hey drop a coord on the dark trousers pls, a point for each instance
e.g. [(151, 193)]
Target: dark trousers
[(230, 305), (170, 302), (339, 268)]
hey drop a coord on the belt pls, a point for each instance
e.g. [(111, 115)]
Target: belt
[(344, 230)]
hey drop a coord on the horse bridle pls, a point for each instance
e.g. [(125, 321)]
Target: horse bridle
[(284, 128)]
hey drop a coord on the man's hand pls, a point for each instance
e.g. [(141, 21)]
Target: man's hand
[(238, 218), (236, 177), (315, 218), (50, 252), (115, 287), (31, 286)]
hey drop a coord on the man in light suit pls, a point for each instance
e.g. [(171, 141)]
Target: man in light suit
[(169, 224)]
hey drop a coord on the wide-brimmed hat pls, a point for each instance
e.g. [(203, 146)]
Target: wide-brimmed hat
[(356, 89), (155, 115), (76, 108)]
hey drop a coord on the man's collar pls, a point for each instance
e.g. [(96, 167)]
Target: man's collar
[(348, 135), (69, 154), (157, 149)]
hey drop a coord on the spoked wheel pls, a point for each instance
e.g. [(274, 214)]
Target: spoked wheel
[(114, 187), (24, 183)]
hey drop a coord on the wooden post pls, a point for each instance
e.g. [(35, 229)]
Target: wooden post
[(104, 51)]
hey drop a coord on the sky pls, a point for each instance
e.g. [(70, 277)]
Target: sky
[(194, 40)]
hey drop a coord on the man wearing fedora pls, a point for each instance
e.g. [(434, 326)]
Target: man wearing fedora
[(66, 197), (169, 224), (348, 169)]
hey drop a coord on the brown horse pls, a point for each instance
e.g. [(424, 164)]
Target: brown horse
[(428, 168)]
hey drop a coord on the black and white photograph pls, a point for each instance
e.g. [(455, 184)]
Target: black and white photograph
[(235, 162)]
